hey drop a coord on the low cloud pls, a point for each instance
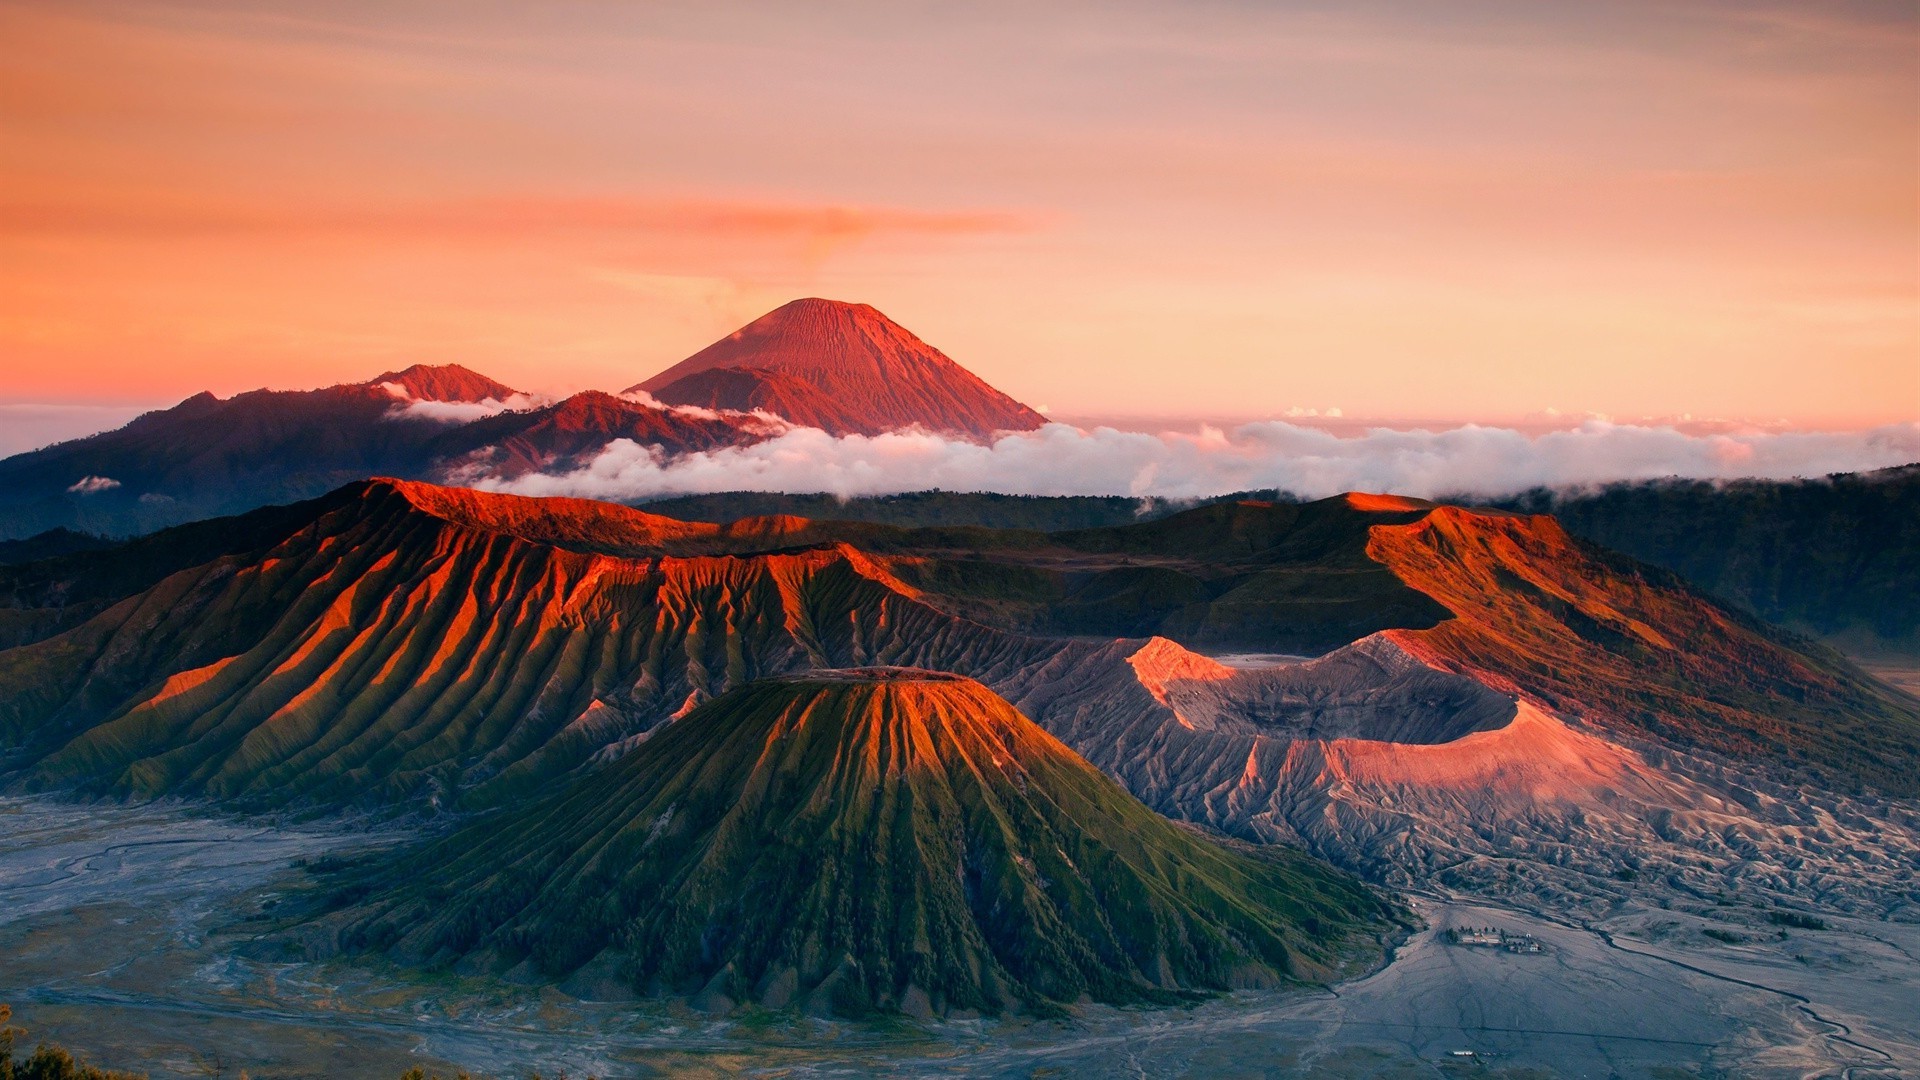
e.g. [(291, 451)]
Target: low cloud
[(1062, 460), (457, 412), (759, 421), (92, 485)]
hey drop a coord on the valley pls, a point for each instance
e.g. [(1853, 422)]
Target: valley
[(838, 798), (119, 927)]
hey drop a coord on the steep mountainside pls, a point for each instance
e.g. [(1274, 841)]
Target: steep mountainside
[(844, 368), (568, 433), (1596, 634), (1513, 694), (1838, 557), (884, 839), (402, 640), (399, 638), (207, 456), (1510, 599)]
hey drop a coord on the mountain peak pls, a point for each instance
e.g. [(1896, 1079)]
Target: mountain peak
[(844, 368), (865, 839), (443, 382)]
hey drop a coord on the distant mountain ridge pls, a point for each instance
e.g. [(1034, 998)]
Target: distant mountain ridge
[(1836, 556), (844, 368)]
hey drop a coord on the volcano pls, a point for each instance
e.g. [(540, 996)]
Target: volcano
[(856, 840), (442, 382), (844, 368)]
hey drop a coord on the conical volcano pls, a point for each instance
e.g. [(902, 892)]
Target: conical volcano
[(843, 368), (860, 840)]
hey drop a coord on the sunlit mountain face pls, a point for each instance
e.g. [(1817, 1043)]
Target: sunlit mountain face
[(1165, 541)]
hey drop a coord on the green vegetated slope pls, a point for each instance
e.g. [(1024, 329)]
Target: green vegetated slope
[(850, 841), (1838, 557)]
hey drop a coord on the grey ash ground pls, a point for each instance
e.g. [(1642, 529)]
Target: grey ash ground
[(120, 931)]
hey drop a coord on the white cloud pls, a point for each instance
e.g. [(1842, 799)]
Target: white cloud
[(457, 412), (764, 422), (1062, 460), (91, 485)]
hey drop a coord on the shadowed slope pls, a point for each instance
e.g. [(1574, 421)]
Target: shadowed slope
[(871, 839), (207, 456), (568, 433), (1838, 556), (844, 368)]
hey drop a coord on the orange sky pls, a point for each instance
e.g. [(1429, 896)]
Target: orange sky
[(1194, 208)]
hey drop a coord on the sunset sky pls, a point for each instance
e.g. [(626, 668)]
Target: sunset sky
[(1192, 208)]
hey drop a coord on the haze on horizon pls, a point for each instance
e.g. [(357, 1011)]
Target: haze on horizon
[(1197, 209)]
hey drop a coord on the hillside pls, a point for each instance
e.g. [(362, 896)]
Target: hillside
[(851, 841), (844, 368), (841, 367), (1837, 557), (402, 641)]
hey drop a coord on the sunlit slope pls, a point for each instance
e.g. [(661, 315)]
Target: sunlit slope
[(850, 841), (395, 639), (844, 368), (1598, 635), (1511, 599), (410, 640)]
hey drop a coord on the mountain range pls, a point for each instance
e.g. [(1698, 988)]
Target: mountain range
[(936, 754), (1835, 557), (1487, 686), (845, 368)]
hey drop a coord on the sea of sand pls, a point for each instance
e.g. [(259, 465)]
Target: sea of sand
[(119, 929)]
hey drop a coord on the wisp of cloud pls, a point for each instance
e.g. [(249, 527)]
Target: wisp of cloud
[(1059, 459)]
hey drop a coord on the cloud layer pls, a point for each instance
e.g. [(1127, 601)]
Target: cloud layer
[(456, 412), (1063, 460)]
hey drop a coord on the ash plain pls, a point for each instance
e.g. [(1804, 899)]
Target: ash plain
[(121, 927)]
